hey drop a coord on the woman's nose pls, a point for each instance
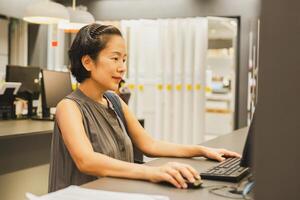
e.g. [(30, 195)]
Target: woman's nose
[(122, 68)]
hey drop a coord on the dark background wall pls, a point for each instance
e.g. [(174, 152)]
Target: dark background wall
[(247, 10), (37, 45), (277, 140)]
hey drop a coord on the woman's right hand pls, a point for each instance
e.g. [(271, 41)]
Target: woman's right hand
[(174, 173)]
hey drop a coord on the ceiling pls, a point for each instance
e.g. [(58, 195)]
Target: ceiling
[(219, 28)]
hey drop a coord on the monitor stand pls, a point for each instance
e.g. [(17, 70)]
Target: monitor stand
[(46, 116), (245, 187)]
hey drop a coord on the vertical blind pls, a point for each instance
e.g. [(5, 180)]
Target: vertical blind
[(166, 75)]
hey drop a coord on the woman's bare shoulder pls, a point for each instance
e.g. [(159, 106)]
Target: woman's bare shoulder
[(67, 108)]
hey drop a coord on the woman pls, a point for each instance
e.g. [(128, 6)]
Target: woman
[(90, 140)]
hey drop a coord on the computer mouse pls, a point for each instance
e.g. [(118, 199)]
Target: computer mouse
[(194, 185)]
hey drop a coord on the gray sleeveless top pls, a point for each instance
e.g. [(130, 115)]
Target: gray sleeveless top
[(106, 133)]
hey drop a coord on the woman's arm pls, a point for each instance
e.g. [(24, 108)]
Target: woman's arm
[(157, 148), (69, 120)]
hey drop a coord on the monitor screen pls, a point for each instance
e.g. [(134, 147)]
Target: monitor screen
[(248, 148), (56, 85), (28, 76)]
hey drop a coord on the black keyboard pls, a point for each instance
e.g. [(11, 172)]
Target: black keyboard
[(228, 170)]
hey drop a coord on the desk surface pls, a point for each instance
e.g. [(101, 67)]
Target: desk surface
[(16, 128), (233, 141)]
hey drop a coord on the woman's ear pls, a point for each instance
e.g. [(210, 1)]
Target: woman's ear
[(87, 62)]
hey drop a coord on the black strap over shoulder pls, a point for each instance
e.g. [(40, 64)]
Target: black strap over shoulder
[(114, 99)]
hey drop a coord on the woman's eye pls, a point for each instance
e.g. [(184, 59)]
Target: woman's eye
[(124, 61), (115, 59)]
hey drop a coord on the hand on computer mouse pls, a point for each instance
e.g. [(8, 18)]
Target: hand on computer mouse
[(173, 173)]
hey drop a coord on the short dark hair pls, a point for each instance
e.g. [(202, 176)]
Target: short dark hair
[(90, 40)]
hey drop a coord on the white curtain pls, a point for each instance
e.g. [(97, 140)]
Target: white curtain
[(19, 42), (166, 75)]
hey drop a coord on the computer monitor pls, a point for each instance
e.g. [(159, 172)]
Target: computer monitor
[(247, 160), (247, 156), (29, 77), (55, 86)]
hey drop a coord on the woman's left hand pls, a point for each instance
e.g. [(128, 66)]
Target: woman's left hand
[(218, 154)]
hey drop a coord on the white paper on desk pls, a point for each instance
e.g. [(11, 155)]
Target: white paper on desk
[(77, 193)]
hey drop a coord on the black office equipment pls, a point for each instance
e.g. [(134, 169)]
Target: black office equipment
[(195, 185), (228, 170), (247, 156), (8, 90), (30, 88), (55, 86), (190, 185), (233, 169)]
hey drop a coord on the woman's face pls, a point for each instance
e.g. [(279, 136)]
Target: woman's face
[(110, 64)]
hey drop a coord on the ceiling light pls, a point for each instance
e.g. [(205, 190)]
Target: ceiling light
[(46, 12), (79, 17)]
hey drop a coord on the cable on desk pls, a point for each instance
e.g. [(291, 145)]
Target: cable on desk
[(233, 192), (219, 190)]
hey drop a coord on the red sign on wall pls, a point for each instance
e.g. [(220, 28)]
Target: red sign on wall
[(54, 43)]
